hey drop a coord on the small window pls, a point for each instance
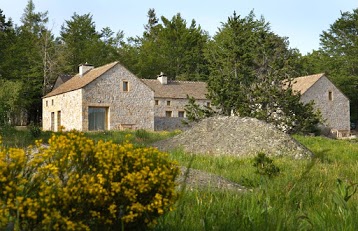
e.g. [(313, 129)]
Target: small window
[(330, 95), (180, 113), (168, 103), (168, 114), (46, 103), (52, 102), (156, 102), (208, 104), (125, 86)]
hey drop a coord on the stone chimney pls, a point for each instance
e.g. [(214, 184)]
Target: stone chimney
[(84, 68), (162, 78)]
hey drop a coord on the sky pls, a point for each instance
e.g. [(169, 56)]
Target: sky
[(301, 21)]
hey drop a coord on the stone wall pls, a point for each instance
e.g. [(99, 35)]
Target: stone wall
[(69, 105), (167, 106), (126, 109), (336, 111)]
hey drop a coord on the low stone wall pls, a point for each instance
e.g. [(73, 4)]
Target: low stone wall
[(169, 123)]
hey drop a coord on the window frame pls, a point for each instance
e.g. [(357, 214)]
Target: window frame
[(330, 95), (181, 113), (125, 86), (168, 114)]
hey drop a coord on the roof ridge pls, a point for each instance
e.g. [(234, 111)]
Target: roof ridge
[(177, 81)]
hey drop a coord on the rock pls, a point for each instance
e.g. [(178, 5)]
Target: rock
[(233, 135)]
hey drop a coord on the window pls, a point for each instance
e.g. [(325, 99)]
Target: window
[(168, 103), (58, 120), (330, 95), (208, 104), (46, 103), (52, 121), (156, 102), (180, 113), (168, 114), (52, 102), (125, 86), (97, 118)]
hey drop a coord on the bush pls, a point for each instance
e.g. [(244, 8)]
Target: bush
[(265, 166), (35, 130), (77, 184)]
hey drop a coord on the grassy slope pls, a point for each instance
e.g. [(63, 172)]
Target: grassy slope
[(305, 196)]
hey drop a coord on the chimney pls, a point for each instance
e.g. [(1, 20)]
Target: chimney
[(84, 68), (162, 78)]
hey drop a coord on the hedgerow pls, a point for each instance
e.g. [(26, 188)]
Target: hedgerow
[(78, 184)]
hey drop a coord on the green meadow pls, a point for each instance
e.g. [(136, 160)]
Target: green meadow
[(315, 194)]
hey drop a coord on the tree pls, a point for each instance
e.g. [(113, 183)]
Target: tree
[(251, 71), (7, 39), (9, 100), (25, 59), (170, 46), (82, 43), (339, 49)]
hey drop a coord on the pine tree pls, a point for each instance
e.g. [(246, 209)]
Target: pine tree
[(339, 49), (251, 71)]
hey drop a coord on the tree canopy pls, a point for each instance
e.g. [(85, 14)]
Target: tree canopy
[(247, 66), (251, 74), (339, 49)]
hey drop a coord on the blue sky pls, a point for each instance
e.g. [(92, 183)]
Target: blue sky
[(302, 21)]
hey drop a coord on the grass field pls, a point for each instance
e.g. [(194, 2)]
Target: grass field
[(317, 194)]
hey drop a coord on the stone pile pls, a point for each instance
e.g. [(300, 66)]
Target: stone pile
[(233, 135)]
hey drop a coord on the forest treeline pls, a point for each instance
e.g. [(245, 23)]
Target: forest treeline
[(242, 55)]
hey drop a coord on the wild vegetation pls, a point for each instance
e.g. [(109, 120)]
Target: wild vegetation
[(78, 184), (282, 193)]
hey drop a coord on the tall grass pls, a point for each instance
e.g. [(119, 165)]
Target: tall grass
[(306, 195), (317, 194)]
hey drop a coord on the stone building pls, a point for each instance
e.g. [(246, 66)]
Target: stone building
[(332, 103), (112, 98)]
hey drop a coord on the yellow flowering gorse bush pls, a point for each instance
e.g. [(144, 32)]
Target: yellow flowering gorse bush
[(77, 184)]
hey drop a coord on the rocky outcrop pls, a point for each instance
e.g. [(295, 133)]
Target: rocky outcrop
[(233, 135)]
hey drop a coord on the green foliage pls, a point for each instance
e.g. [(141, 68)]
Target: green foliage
[(9, 100), (265, 166), (251, 71), (77, 184), (35, 130), (170, 46), (195, 112), (300, 197), (339, 53)]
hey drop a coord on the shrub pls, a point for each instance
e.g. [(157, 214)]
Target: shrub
[(35, 130), (77, 184), (265, 166)]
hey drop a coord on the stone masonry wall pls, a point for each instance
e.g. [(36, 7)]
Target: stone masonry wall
[(174, 106), (335, 111), (126, 109), (69, 106)]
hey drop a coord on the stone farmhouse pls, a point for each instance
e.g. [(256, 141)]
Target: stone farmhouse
[(332, 103), (111, 98)]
